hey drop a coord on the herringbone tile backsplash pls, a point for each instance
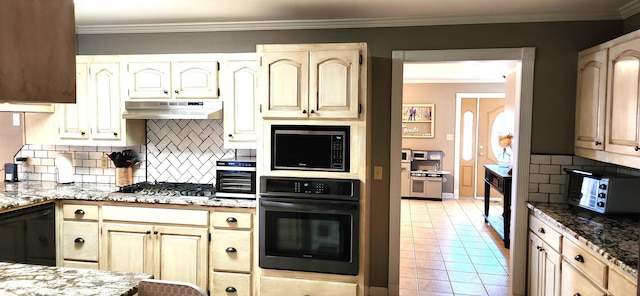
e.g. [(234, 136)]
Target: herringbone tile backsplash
[(180, 150)]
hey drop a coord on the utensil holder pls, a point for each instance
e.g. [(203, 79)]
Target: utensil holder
[(124, 176)]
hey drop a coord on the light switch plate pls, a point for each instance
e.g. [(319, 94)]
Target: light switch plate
[(377, 172), (16, 119), (449, 137)]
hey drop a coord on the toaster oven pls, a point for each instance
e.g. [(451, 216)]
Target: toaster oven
[(603, 192)]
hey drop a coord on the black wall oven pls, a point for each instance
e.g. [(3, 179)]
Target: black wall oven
[(309, 224)]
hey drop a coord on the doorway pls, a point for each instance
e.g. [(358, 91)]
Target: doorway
[(521, 150)]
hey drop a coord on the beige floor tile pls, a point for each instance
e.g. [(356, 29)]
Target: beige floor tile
[(468, 289), (432, 274), (434, 286), (494, 279), (464, 277)]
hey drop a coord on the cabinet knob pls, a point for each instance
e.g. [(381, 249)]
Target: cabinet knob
[(232, 220), (230, 135), (79, 240), (304, 111), (230, 250), (155, 232), (230, 290), (79, 212), (637, 148), (148, 231), (577, 294), (312, 111), (541, 230), (579, 258), (83, 133), (166, 92), (598, 143), (176, 91), (115, 134)]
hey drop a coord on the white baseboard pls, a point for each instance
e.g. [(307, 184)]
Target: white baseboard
[(447, 195), (378, 291)]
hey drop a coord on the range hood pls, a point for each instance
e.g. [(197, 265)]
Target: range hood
[(205, 109)]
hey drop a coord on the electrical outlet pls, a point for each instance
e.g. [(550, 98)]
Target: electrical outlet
[(449, 137), (377, 172), (104, 162)]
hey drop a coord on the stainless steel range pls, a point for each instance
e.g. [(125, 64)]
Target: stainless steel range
[(170, 189)]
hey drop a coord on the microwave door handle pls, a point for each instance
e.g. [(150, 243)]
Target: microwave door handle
[(325, 206)]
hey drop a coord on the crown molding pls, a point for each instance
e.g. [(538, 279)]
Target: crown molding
[(335, 24), (630, 9)]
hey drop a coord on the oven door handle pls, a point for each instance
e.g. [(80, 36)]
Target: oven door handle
[(320, 205)]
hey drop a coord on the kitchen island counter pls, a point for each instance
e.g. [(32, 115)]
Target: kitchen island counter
[(28, 193), (24, 279), (615, 238)]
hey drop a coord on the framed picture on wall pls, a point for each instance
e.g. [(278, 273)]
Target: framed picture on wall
[(418, 120)]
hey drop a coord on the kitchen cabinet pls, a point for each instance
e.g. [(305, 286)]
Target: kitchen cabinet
[(623, 100), (167, 77), (38, 51), (575, 283), (239, 80), (544, 259), (95, 119), (171, 244), (79, 236), (315, 81), (231, 253), (272, 286), (590, 100)]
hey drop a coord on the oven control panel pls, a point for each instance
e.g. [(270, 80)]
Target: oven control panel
[(304, 187)]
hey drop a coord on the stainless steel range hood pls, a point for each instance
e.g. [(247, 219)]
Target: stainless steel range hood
[(205, 109)]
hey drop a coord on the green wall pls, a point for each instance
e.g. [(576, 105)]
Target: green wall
[(556, 43)]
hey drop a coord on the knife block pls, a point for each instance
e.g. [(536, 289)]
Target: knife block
[(124, 176)]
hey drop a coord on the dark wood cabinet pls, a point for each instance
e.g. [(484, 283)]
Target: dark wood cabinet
[(37, 51)]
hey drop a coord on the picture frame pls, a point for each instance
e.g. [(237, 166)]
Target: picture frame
[(418, 120)]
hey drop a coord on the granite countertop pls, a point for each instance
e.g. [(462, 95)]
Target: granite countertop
[(615, 238), (36, 280), (27, 193)]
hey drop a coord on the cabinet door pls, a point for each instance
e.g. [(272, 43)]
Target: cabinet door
[(285, 89), (72, 118), (544, 268), (149, 80), (334, 83), (239, 92), (194, 80), (590, 100), (182, 254), (623, 99), (105, 106), (126, 247)]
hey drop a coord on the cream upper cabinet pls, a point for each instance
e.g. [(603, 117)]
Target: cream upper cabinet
[(590, 100), (310, 81), (623, 99), (239, 82), (172, 77), (96, 118)]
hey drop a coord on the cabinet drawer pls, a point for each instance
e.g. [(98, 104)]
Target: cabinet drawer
[(231, 220), (587, 263), (155, 215), (230, 284), (79, 212), (270, 286), (619, 286), (80, 264), (80, 241), (574, 283), (231, 250), (552, 237)]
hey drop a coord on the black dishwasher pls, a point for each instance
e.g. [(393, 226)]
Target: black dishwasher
[(28, 235)]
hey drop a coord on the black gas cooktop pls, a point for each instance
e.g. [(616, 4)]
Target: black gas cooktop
[(170, 189)]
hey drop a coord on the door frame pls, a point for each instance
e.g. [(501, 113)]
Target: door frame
[(457, 142), (521, 150)]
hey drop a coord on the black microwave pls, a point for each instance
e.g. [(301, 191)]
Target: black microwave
[(310, 147)]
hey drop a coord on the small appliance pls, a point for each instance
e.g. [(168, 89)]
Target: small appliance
[(64, 168), (310, 148), (11, 172), (236, 178), (603, 192)]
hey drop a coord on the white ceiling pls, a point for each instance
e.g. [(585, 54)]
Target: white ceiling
[(105, 16)]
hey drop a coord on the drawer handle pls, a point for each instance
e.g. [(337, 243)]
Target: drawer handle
[(79, 240), (79, 212), (155, 232), (232, 220), (579, 258), (541, 230), (230, 290), (230, 250), (148, 231), (576, 294)]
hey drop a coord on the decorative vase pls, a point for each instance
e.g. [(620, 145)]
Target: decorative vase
[(504, 159)]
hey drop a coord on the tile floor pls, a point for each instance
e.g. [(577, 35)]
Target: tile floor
[(447, 249)]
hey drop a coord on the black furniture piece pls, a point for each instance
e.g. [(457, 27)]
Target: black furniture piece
[(500, 179)]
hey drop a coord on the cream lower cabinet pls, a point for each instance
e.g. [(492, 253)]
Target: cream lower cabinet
[(79, 236), (231, 253), (276, 286), (177, 253), (544, 268)]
